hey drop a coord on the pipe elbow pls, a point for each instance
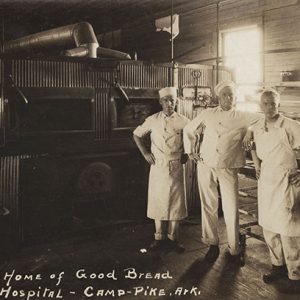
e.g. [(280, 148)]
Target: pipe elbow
[(83, 33)]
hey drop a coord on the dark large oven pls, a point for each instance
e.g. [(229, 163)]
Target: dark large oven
[(130, 111), (66, 140), (58, 110)]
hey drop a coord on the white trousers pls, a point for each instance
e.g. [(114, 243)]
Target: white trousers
[(208, 179), (284, 250), (164, 229)]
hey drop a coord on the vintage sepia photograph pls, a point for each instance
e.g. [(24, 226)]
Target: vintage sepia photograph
[(150, 149)]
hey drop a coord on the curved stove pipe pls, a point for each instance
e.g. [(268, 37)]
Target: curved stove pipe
[(79, 35)]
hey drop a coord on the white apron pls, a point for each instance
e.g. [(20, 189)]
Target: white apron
[(166, 197), (278, 201)]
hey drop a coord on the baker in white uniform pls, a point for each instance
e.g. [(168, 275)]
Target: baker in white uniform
[(277, 141), (221, 157), (166, 197)]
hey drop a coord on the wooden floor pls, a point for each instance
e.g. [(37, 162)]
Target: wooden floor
[(110, 249)]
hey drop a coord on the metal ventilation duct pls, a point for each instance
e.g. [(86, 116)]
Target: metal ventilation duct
[(80, 35), (112, 53), (101, 52)]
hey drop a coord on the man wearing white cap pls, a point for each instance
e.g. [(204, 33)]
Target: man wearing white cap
[(277, 141), (221, 156), (166, 197)]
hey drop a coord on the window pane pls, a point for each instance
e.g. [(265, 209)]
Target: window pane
[(243, 54)]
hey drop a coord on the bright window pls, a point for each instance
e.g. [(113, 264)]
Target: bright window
[(242, 52)]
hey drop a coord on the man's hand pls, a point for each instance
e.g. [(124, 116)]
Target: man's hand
[(195, 157), (257, 173), (295, 178), (150, 158), (248, 140)]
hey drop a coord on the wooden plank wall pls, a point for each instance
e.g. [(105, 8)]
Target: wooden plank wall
[(199, 29)]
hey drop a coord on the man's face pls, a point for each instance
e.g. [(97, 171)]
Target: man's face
[(269, 105), (168, 104), (227, 98)]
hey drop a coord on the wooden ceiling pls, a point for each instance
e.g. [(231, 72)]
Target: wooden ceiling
[(23, 17)]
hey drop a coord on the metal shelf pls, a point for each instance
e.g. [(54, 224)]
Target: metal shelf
[(283, 84)]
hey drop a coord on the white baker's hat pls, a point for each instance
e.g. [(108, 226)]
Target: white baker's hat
[(168, 91), (223, 84), (271, 90)]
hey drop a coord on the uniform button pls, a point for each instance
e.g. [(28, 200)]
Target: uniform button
[(219, 136), (220, 123), (217, 150)]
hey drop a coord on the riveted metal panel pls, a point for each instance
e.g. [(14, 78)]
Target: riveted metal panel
[(143, 75), (195, 75), (9, 193), (1, 98), (101, 115)]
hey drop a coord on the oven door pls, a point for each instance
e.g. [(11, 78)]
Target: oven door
[(126, 115)]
